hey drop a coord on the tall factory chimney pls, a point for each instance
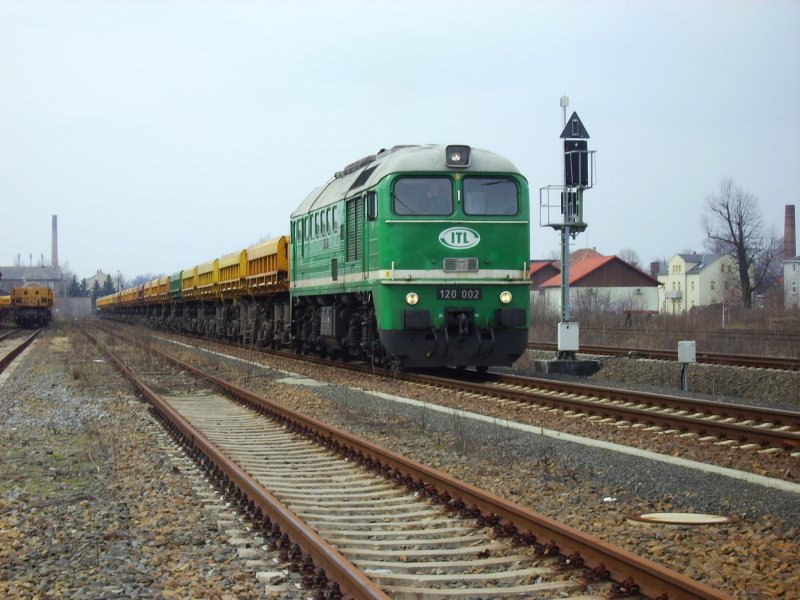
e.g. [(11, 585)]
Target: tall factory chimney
[(789, 239), (55, 240)]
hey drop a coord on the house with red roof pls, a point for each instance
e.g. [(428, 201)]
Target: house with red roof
[(542, 270), (599, 282)]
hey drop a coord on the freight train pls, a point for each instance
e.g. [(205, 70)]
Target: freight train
[(416, 256)]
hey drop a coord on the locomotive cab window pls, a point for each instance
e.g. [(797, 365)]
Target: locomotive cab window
[(495, 196), (427, 196)]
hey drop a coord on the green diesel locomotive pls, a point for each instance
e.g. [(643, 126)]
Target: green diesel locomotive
[(417, 257)]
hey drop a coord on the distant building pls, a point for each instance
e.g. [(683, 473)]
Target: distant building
[(21, 276), (544, 270), (604, 283), (791, 282), (691, 280), (582, 254), (98, 277), (541, 271)]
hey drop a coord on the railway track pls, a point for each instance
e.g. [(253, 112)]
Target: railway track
[(765, 427), (15, 350), (390, 525), (8, 334), (734, 360), (748, 426)]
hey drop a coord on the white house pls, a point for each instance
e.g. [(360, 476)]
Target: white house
[(603, 283), (791, 282), (695, 280), (99, 278)]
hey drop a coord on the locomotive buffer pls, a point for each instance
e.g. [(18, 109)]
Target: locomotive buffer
[(579, 175)]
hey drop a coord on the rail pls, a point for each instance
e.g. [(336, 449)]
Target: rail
[(9, 358), (737, 422), (652, 579), (711, 358)]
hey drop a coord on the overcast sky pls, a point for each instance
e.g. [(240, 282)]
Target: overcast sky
[(164, 134)]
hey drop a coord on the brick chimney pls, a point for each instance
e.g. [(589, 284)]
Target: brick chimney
[(655, 267), (789, 239)]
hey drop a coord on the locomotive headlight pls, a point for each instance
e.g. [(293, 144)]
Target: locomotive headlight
[(505, 297), (457, 156), (411, 298)]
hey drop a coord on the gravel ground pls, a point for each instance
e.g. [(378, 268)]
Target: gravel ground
[(764, 387), (592, 491), (88, 509), (91, 503)]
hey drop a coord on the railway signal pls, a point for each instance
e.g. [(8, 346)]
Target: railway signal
[(579, 175)]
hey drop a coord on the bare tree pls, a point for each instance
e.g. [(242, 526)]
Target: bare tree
[(630, 256), (733, 223), (592, 305), (144, 278)]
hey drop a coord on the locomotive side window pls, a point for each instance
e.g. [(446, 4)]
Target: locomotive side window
[(428, 196), (372, 206), (490, 196)]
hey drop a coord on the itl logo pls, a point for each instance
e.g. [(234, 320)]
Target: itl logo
[(459, 237)]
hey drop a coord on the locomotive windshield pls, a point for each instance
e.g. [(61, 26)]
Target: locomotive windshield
[(495, 196), (423, 196)]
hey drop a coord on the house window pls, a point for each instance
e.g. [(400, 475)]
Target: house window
[(713, 285), (794, 287), (693, 286)]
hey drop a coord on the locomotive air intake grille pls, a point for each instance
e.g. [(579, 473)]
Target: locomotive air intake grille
[(460, 265)]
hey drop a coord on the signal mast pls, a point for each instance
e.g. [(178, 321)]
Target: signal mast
[(579, 175)]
